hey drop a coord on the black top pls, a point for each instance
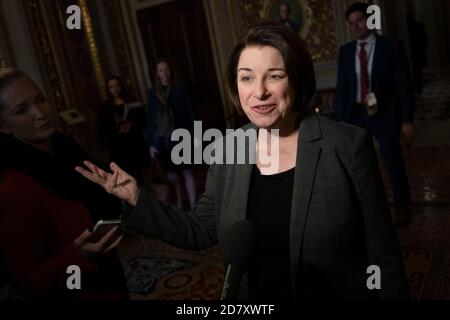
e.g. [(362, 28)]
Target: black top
[(269, 209)]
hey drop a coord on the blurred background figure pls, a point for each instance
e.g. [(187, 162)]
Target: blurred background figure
[(418, 41), (121, 129), (170, 108), (383, 72), (285, 17)]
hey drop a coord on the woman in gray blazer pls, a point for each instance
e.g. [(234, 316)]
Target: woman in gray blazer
[(320, 214)]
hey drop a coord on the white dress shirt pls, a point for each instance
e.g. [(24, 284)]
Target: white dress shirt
[(370, 49)]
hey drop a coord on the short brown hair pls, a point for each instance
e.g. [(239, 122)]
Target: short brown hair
[(299, 66), (357, 7)]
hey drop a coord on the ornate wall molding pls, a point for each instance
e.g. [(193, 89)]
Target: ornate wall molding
[(2, 55), (137, 53), (2, 61), (303, 5), (93, 49), (321, 39), (318, 27), (250, 12), (49, 58), (121, 47), (322, 29), (5, 58), (66, 61)]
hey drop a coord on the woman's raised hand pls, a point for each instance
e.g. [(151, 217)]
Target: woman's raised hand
[(119, 183)]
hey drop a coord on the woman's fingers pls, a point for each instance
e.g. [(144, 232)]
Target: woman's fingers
[(106, 238), (114, 244), (107, 243), (94, 169), (95, 174), (112, 183), (90, 176), (97, 171), (82, 238), (114, 167)]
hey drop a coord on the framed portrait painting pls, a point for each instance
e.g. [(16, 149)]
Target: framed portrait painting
[(295, 14)]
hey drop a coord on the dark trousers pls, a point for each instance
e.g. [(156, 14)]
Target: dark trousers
[(392, 154)]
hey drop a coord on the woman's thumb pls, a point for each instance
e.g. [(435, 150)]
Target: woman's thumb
[(114, 167)]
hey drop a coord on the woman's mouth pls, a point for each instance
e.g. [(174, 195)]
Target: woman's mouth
[(45, 126), (264, 109)]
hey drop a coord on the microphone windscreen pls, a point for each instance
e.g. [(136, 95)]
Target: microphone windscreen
[(239, 244)]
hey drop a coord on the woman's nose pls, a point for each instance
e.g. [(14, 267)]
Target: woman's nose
[(261, 90), (40, 112)]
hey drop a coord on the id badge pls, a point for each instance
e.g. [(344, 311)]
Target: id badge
[(371, 105)]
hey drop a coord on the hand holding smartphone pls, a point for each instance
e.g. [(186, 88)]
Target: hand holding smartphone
[(101, 228), (104, 237)]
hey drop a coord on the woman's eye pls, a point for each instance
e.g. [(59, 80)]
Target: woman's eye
[(20, 111), (246, 78), (275, 77)]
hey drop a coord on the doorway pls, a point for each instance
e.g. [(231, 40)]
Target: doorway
[(177, 30)]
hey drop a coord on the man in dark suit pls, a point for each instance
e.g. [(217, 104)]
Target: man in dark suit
[(374, 91)]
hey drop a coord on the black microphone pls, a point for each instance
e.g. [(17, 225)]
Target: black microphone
[(238, 249)]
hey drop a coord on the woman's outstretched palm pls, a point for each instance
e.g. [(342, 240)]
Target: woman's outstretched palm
[(119, 183)]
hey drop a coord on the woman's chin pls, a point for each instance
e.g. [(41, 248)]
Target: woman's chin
[(267, 123), (47, 133)]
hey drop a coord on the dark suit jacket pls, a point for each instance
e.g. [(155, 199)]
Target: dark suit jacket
[(391, 83), (340, 220)]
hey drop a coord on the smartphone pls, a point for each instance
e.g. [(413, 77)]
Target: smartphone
[(101, 228)]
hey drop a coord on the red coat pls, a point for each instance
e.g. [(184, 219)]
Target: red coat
[(37, 231)]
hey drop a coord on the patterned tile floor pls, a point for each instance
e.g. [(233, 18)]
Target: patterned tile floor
[(432, 113), (157, 271), (426, 242)]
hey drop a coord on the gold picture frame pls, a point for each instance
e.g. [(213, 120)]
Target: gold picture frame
[(72, 117), (302, 13)]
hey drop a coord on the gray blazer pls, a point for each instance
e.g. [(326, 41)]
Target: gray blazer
[(340, 219)]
